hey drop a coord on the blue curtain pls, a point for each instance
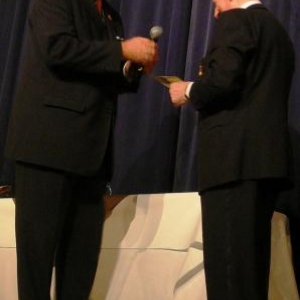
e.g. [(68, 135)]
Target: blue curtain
[(147, 125), (156, 143), (185, 175), (12, 22)]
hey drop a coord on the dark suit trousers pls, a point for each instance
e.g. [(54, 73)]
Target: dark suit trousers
[(59, 220), (236, 221)]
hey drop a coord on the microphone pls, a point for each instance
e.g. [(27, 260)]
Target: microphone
[(155, 33)]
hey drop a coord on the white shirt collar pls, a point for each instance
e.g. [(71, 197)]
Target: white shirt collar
[(249, 3)]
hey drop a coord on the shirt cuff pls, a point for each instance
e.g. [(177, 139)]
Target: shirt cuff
[(125, 69), (188, 90)]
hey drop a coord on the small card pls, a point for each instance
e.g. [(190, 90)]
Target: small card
[(167, 80)]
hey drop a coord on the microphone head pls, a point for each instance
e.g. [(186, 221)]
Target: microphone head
[(155, 32)]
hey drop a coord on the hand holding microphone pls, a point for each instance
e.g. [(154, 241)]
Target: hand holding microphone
[(155, 33), (140, 52)]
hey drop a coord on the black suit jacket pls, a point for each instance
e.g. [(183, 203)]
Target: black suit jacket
[(242, 95), (71, 74)]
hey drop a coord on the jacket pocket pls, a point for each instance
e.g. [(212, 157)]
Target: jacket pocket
[(215, 121), (76, 105)]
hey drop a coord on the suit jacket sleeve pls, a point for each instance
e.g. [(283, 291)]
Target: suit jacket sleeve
[(226, 61), (61, 46)]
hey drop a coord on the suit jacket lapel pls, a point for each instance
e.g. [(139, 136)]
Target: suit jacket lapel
[(107, 23), (92, 7)]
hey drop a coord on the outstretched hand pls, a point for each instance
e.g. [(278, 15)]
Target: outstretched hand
[(177, 92)]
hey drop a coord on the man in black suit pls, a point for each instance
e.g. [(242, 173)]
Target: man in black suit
[(241, 95), (75, 64)]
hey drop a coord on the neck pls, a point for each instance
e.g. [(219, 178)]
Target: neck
[(244, 2)]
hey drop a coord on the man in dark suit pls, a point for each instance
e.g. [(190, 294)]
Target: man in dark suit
[(241, 95), (75, 64)]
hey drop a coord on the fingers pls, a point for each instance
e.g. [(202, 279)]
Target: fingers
[(140, 51), (151, 53), (216, 12), (148, 68), (177, 93), (152, 59)]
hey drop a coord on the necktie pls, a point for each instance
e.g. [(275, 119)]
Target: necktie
[(99, 6)]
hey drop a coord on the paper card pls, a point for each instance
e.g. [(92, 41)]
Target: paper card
[(167, 80)]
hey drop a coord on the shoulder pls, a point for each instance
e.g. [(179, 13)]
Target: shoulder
[(234, 27), (233, 19), (43, 7)]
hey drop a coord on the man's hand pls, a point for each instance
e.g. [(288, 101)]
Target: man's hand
[(140, 51), (177, 93)]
